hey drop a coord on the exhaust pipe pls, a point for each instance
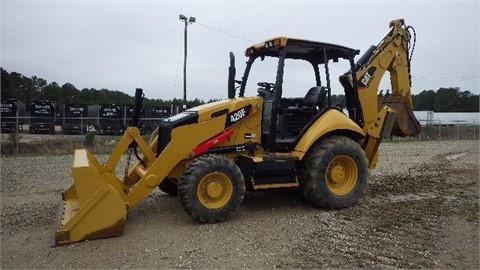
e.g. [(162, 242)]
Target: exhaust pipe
[(137, 107), (231, 76)]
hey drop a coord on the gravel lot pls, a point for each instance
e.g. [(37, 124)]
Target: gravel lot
[(421, 210)]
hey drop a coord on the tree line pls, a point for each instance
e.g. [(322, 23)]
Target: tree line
[(446, 100), (15, 85)]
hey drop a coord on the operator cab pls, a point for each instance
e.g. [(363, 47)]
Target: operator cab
[(285, 118)]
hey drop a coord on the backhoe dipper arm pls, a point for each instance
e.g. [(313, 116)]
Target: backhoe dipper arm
[(383, 116), (391, 54)]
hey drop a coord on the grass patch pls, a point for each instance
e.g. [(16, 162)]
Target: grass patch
[(39, 145), (58, 146)]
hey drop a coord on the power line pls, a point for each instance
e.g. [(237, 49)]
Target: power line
[(224, 32), (463, 77)]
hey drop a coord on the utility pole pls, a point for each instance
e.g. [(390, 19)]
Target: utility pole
[(186, 21)]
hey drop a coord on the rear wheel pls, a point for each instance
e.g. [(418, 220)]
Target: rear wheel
[(211, 189), (334, 173)]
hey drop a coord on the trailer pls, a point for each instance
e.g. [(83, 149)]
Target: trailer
[(12, 114), (42, 117), (75, 119), (110, 119), (154, 115)]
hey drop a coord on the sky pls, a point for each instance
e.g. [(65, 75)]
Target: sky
[(122, 45)]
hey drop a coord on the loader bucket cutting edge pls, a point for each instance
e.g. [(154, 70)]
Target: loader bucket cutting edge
[(91, 208), (406, 124)]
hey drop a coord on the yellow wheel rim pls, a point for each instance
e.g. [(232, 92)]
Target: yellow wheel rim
[(214, 190), (342, 175)]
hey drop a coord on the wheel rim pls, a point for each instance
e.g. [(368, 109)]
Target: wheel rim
[(342, 175), (214, 190)]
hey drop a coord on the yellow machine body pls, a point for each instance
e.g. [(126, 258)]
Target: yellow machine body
[(211, 153)]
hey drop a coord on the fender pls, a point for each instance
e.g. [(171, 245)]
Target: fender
[(331, 120)]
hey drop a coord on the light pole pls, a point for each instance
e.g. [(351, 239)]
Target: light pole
[(186, 21)]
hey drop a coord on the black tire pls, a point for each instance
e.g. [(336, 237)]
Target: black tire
[(211, 189), (169, 186), (334, 173)]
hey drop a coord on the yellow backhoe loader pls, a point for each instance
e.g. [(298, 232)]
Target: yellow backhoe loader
[(210, 155)]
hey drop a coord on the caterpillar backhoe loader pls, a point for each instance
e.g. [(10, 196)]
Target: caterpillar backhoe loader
[(210, 155)]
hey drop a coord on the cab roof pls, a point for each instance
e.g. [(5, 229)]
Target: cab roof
[(301, 49)]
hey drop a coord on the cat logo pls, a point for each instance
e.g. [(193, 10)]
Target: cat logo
[(366, 78)]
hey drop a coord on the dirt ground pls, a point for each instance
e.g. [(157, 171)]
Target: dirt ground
[(421, 210)]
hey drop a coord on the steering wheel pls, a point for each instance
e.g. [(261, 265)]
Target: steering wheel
[(266, 89), (266, 85)]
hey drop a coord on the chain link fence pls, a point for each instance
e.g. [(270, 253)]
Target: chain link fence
[(450, 132), (14, 129), (71, 125)]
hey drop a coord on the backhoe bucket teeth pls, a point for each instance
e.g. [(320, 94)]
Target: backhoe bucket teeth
[(91, 208), (406, 124)]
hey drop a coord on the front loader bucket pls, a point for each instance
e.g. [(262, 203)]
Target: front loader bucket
[(91, 208), (406, 124)]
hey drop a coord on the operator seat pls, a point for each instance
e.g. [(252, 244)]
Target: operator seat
[(297, 117), (314, 97)]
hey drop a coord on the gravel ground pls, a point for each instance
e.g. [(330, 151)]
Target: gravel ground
[(421, 210)]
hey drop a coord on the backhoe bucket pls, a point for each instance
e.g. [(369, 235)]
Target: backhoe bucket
[(406, 124), (91, 208)]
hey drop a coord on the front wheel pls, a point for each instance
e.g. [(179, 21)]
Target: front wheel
[(211, 188), (334, 173)]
